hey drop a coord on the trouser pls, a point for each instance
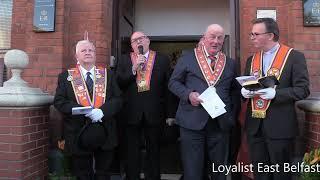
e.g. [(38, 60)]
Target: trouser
[(194, 144), (85, 168), (269, 153), (152, 139)]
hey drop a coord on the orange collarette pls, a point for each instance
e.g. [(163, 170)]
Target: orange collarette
[(211, 75), (144, 76), (259, 105), (81, 91)]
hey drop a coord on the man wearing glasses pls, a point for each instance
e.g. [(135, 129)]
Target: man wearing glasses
[(271, 123), (143, 76)]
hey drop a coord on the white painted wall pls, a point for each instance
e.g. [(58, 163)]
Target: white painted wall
[(180, 17)]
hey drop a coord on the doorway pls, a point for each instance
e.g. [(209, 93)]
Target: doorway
[(173, 27)]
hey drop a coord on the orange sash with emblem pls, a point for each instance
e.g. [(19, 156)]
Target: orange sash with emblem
[(259, 105), (80, 88), (211, 75), (144, 75)]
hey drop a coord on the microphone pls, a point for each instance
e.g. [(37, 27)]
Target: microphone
[(140, 48)]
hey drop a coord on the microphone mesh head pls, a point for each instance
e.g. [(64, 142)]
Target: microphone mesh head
[(140, 49)]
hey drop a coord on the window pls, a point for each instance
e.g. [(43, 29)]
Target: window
[(5, 24)]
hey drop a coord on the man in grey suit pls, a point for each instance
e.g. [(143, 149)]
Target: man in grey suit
[(194, 73)]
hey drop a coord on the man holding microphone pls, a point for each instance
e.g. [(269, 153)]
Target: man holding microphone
[(143, 76)]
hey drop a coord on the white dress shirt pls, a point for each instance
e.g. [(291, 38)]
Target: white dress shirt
[(268, 57), (84, 72), (208, 58)]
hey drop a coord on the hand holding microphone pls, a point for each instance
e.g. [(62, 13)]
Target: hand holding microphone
[(140, 61)]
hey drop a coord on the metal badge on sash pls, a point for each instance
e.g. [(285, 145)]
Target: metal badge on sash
[(81, 91), (260, 106), (69, 78), (142, 86), (211, 75), (144, 76)]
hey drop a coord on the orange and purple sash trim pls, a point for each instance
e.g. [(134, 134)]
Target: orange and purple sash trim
[(81, 91), (211, 75), (144, 75), (259, 105)]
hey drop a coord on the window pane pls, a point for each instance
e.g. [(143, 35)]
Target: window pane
[(5, 23)]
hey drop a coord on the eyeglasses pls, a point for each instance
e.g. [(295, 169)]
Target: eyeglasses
[(138, 39), (253, 35)]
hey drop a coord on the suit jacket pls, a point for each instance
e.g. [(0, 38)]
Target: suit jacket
[(187, 77), (281, 121), (151, 103), (65, 100)]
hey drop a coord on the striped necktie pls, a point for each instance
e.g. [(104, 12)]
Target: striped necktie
[(213, 61)]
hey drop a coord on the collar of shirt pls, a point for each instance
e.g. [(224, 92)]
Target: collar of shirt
[(207, 55), (84, 72), (146, 55), (272, 50), (268, 56)]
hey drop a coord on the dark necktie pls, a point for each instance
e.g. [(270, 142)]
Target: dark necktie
[(213, 61), (89, 83)]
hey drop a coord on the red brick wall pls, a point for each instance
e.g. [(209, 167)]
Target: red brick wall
[(52, 52), (95, 16), (292, 32), (45, 50), (307, 40), (24, 143), (312, 130)]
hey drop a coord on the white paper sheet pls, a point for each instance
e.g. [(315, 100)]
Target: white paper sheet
[(212, 103), (81, 110), (243, 79)]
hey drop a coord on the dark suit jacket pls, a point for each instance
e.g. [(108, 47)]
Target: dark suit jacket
[(65, 100), (187, 77), (151, 103), (281, 121)]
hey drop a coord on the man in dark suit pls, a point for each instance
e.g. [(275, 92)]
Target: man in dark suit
[(94, 133), (143, 77), (205, 67), (271, 123)]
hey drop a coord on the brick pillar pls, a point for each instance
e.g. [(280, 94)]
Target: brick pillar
[(312, 130), (24, 114), (24, 142), (311, 133)]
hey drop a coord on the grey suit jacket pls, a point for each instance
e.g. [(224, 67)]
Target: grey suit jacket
[(187, 77)]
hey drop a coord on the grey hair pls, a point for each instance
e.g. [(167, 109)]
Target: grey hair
[(83, 42)]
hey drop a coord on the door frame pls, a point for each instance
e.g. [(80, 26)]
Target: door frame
[(234, 30)]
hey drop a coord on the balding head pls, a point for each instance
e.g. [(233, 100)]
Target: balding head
[(213, 38), (138, 38), (214, 28), (137, 34)]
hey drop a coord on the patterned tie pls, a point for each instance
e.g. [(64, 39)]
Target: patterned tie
[(89, 83), (213, 61)]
